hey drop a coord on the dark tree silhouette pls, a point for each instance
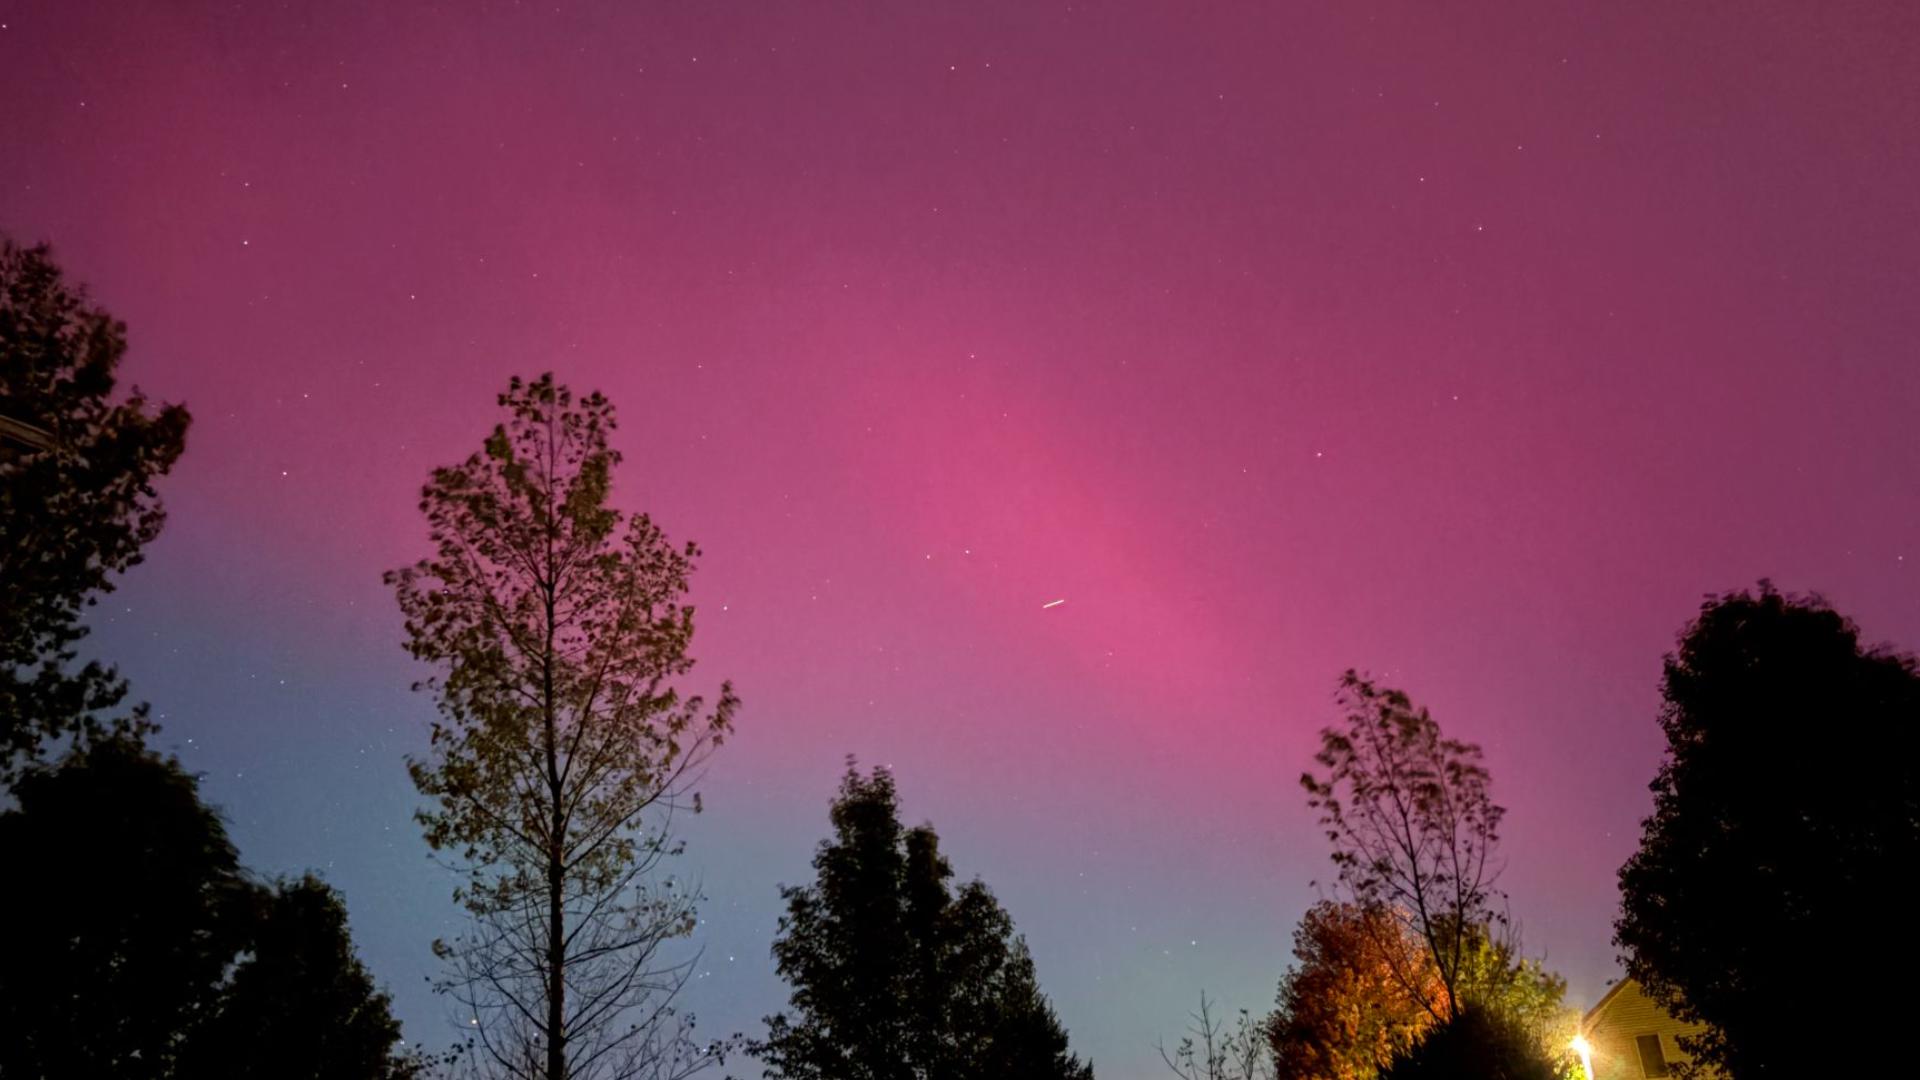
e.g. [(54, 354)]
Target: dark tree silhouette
[(1413, 826), (895, 975), (1771, 894), (560, 630), (142, 951), (299, 1005), (1475, 1044), (129, 905), (77, 504)]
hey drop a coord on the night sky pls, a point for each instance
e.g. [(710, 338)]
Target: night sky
[(1470, 344)]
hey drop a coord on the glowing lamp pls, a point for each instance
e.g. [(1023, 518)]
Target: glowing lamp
[(1581, 1046)]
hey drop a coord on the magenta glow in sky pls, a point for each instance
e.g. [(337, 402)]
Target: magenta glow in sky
[(1470, 347)]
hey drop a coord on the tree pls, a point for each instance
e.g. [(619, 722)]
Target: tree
[(1412, 824), (895, 975), (299, 1005), (1770, 896), (100, 981), (1496, 976), (1474, 1044), (197, 972), (1356, 995), (563, 749), (77, 502), (1345, 1007), (1211, 1049)]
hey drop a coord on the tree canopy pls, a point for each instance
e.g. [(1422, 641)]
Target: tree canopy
[(1474, 1044), (77, 502), (897, 976), (1771, 890), (299, 1005), (100, 981), (1355, 997), (142, 950)]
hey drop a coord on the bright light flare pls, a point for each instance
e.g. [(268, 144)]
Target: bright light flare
[(1581, 1046), (1053, 603)]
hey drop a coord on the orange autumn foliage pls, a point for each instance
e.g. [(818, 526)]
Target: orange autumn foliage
[(1363, 988)]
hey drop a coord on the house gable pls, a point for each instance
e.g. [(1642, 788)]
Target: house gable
[(1632, 1037)]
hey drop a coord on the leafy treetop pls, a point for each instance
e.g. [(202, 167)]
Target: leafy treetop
[(77, 501)]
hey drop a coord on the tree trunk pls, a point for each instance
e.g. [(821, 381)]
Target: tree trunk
[(556, 869), (556, 971)]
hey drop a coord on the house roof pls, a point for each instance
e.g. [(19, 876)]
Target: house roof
[(1605, 999)]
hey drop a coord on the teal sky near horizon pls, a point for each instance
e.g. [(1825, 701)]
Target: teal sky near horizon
[(1468, 346)]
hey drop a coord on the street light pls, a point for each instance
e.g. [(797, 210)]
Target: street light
[(1584, 1048)]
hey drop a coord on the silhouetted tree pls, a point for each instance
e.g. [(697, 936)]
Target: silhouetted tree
[(299, 1005), (77, 503), (895, 975), (562, 750), (1213, 1049), (1474, 1044), (1771, 894), (1412, 824), (142, 951), (128, 906)]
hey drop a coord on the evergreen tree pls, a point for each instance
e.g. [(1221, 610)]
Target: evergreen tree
[(896, 975)]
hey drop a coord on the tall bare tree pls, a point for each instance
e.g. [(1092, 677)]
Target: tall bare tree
[(1412, 823), (562, 750)]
